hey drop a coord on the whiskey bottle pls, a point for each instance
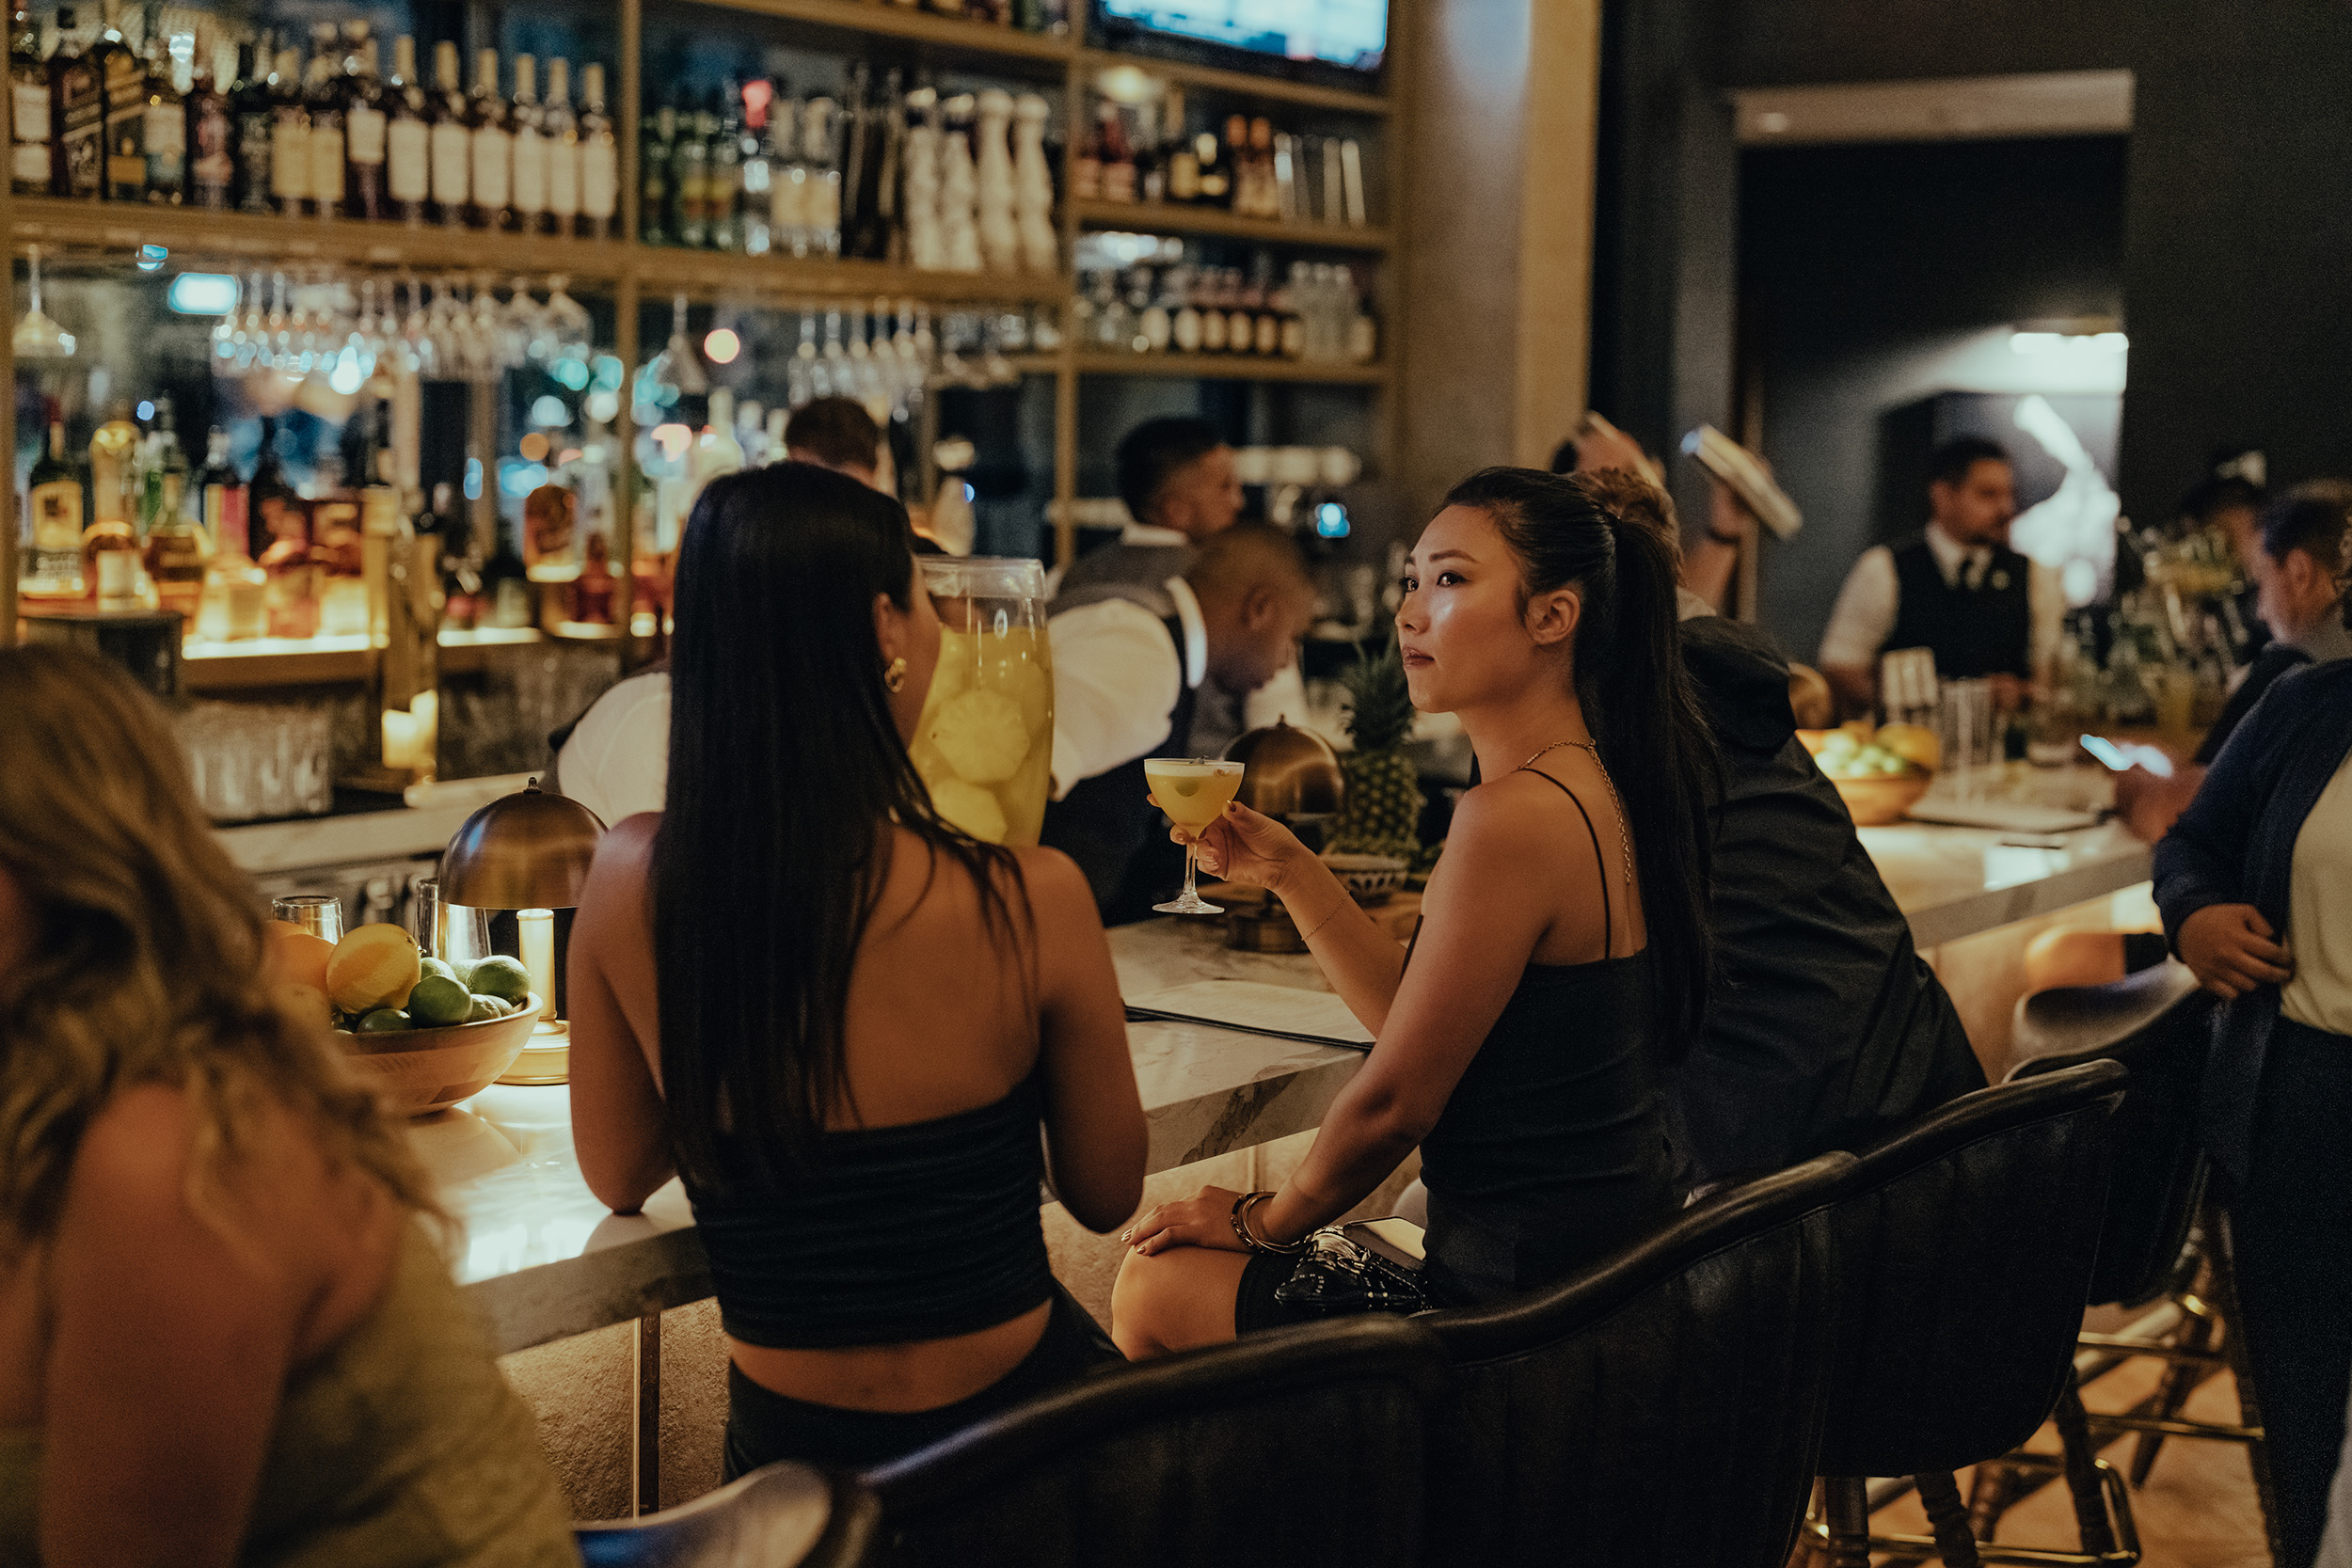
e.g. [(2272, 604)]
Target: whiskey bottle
[(366, 128), (1213, 186), (787, 180), (1119, 156), (1184, 164), (599, 159), (110, 551), (324, 94), (249, 107), (408, 137), (820, 153), (164, 121), (125, 78), (1150, 162), (77, 117), (493, 165), (724, 199), (28, 109), (690, 163), (453, 140), (289, 136), (525, 122), (559, 127), (53, 504), (212, 170), (658, 150)]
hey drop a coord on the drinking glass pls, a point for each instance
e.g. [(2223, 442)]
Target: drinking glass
[(319, 913), (451, 932), (1194, 792)]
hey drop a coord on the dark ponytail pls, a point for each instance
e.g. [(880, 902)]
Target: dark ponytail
[(1608, 535)]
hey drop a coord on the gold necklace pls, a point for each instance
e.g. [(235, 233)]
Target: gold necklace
[(1625, 836)]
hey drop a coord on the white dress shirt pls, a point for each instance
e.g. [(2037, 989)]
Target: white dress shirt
[(1869, 604), (1116, 680), (617, 761)]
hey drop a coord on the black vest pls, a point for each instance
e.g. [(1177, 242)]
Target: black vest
[(1983, 631), (1108, 825)]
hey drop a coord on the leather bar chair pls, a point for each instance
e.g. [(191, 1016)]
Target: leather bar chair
[(1663, 1406), (1302, 1446), (782, 1515), (1963, 1257), (2154, 1246)]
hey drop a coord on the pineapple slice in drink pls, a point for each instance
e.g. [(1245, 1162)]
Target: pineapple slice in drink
[(984, 744)]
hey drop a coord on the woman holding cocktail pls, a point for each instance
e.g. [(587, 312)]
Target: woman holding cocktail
[(1563, 962), (838, 1017)]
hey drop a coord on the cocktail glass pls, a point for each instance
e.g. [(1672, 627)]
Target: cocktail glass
[(1194, 792)]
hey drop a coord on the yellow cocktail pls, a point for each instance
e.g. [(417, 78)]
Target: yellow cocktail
[(984, 745), (1194, 791)]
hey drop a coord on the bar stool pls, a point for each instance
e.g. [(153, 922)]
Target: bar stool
[(1304, 1447), (2153, 1247), (1964, 1257), (1663, 1406), (781, 1516)]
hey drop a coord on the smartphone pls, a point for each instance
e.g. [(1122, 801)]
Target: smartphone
[(2122, 756), (1398, 1240)]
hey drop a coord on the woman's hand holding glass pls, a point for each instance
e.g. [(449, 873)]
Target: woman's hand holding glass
[(1246, 847)]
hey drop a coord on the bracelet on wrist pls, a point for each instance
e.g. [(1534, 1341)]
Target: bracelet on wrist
[(1250, 1238)]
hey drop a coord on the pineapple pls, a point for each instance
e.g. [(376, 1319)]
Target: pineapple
[(1381, 814)]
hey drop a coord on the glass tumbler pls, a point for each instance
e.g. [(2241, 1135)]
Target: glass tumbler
[(451, 932), (319, 913)]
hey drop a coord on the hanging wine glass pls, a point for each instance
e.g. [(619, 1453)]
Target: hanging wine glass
[(679, 364), (569, 328), (37, 337)]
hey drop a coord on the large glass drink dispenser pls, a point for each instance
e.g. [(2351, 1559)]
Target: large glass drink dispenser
[(985, 744)]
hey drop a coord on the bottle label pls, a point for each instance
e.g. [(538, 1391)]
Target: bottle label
[(29, 163), (788, 198), (290, 157), (117, 573), (452, 151), (599, 178), (223, 518), (493, 168), (531, 172), (824, 201), (32, 113), (409, 156), (212, 167), (363, 134), (56, 509), (1269, 335), (564, 159), (327, 164), (253, 146), (164, 141)]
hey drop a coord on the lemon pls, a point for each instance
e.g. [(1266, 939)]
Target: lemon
[(438, 1000), (1913, 743), (983, 736), (382, 1021), (484, 1008), (374, 967), (970, 808), (503, 977)]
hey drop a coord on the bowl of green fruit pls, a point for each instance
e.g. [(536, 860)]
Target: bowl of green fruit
[(1879, 773), (426, 1033)]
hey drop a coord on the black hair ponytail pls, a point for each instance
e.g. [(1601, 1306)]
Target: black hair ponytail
[(1607, 533)]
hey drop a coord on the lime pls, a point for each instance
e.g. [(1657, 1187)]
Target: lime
[(384, 1020), (436, 966), (461, 971), (485, 1008), (437, 1000), (503, 977)]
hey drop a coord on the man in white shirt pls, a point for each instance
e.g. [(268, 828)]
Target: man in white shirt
[(1176, 476), (1128, 671), (1959, 590), (615, 759)]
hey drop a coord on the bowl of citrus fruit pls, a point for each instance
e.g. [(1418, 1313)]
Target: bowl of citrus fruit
[(1879, 773), (427, 1033)]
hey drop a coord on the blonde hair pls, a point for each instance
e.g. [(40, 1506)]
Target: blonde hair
[(148, 961)]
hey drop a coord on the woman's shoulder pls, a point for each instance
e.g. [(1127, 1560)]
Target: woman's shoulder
[(1512, 815)]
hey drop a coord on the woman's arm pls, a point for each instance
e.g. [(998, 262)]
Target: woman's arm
[(1492, 900), (619, 1127), (170, 1348), (1095, 1135)]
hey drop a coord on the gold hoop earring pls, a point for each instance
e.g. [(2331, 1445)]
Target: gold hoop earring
[(894, 678)]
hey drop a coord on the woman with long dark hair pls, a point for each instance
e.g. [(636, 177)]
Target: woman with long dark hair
[(838, 1018), (1563, 963)]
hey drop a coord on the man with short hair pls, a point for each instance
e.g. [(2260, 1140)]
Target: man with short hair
[(1958, 590), (1176, 476), (837, 434), (1130, 670)]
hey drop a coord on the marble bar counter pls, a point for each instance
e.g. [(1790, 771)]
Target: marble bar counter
[(420, 825), (543, 1259)]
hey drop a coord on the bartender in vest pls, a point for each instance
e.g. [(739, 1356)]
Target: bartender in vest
[(1176, 476), (1130, 670), (1958, 590)]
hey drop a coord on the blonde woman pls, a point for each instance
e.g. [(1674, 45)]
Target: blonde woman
[(223, 1335)]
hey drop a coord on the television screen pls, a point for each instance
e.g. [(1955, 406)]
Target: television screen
[(1350, 32)]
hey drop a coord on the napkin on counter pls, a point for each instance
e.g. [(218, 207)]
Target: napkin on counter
[(1252, 1007)]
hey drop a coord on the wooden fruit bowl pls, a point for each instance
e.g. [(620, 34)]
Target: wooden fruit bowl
[(419, 1071), (1875, 803)]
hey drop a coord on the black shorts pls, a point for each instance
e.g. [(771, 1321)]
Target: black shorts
[(764, 1426)]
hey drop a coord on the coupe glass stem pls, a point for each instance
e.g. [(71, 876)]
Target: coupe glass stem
[(1192, 894)]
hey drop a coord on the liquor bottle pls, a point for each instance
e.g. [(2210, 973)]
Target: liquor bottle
[(53, 506), (689, 164), (493, 165), (366, 127), (163, 469), (173, 556), (289, 136), (462, 597), (1150, 161), (658, 150), (1187, 323), (325, 95), (113, 466), (560, 129), (249, 107), (162, 120), (857, 144), (231, 609), (820, 154), (726, 199), (787, 180), (77, 117), (1119, 156), (223, 498), (408, 137), (453, 140), (1182, 161), (1216, 182), (757, 216), (524, 123), (28, 109), (211, 169), (125, 77), (599, 158), (1085, 169)]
